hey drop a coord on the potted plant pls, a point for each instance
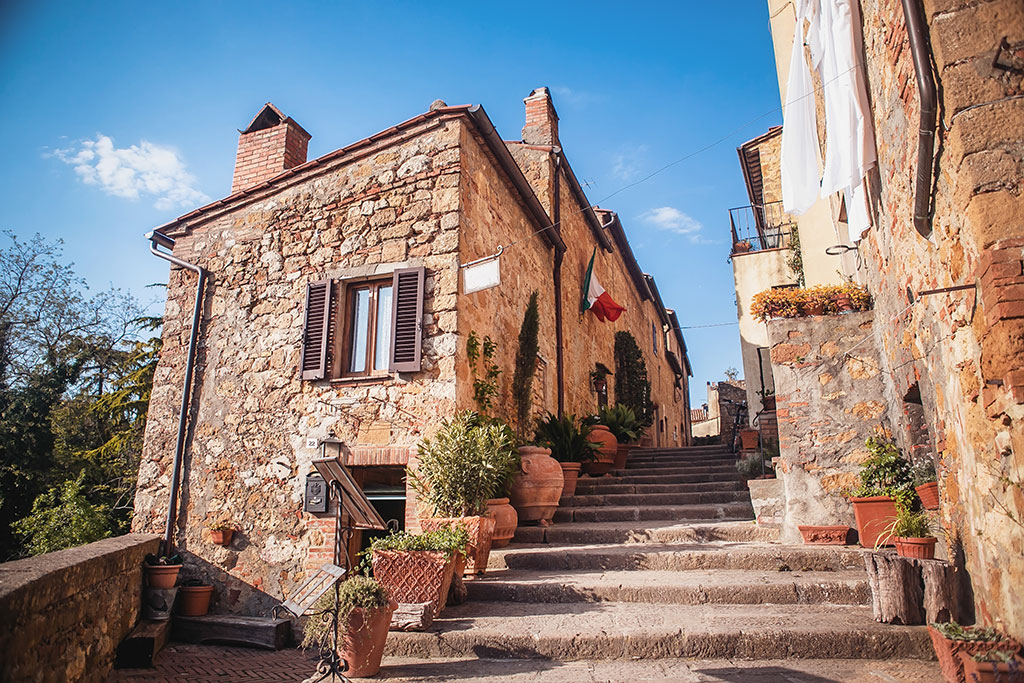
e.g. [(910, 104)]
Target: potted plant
[(754, 466), (606, 447), (505, 521), (458, 471), (536, 485), (161, 571), (911, 531), (816, 300), (749, 438), (885, 483), (951, 639), (194, 598), (741, 247), (767, 398), (923, 473), (363, 612), (992, 666), (621, 421), (416, 568), (569, 443), (221, 533)]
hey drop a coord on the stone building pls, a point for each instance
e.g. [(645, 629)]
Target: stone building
[(336, 304), (937, 363)]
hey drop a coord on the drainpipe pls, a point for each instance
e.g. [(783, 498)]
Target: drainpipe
[(559, 255), (917, 32), (158, 239)]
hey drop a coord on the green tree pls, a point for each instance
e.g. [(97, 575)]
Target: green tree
[(632, 388), (63, 518), (526, 364)]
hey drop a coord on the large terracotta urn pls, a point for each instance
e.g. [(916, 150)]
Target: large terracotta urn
[(622, 455), (605, 456), (505, 521), (570, 475), (366, 633), (481, 531), (537, 486)]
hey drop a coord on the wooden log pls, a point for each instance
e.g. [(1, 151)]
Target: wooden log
[(897, 594), (264, 632), (941, 590), (416, 616), (140, 648)]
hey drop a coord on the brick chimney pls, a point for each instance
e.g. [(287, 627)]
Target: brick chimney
[(270, 144), (541, 120)]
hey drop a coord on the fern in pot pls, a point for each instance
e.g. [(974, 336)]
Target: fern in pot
[(363, 611), (457, 472)]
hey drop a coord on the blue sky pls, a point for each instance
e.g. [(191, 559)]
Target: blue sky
[(119, 116)]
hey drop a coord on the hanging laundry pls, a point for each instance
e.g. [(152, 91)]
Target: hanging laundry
[(799, 156)]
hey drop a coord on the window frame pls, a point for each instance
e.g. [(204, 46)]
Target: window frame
[(347, 319)]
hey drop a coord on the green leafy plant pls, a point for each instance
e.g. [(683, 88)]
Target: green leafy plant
[(632, 388), (357, 592), (795, 261), (464, 465), (448, 540), (568, 438), (923, 471), (526, 365), (906, 524), (620, 421), (63, 518), (996, 656), (485, 371), (222, 526), (971, 634), (886, 473)]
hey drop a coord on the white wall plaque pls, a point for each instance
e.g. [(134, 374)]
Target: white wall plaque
[(482, 275)]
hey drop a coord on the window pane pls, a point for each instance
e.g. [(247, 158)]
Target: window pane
[(360, 330), (382, 353)]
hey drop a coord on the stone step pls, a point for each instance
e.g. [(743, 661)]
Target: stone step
[(666, 457), (675, 556), (576, 631), (696, 587), (667, 478), (610, 513), (698, 469), (689, 498), (634, 533), (612, 486)]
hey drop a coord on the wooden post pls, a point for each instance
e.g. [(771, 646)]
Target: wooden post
[(910, 591)]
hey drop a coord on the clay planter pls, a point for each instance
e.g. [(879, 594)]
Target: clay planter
[(414, 576), (824, 535), (929, 495), (221, 536), (481, 530), (990, 672), (161, 575), (622, 455), (768, 403), (916, 548), (873, 514), (570, 475), (814, 309), (605, 457), (505, 521), (948, 653), (748, 439), (537, 486), (844, 303), (366, 632), (194, 601)]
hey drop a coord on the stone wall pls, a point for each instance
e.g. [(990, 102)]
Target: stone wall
[(63, 614), (829, 401)]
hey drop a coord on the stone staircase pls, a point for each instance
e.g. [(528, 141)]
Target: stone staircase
[(663, 561)]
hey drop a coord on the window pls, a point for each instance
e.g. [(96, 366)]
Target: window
[(654, 338), (366, 343)]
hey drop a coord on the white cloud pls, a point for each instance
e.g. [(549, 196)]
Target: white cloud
[(671, 219), (627, 164), (571, 96), (142, 170)]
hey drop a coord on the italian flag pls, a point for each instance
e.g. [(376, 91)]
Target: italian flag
[(595, 299)]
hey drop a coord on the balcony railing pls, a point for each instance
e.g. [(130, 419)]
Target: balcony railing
[(756, 228)]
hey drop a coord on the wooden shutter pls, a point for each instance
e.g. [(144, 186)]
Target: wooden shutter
[(316, 329), (407, 320)]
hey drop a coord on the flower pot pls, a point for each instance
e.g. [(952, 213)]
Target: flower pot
[(537, 486), (929, 495), (604, 459), (505, 521), (844, 303), (414, 576), (948, 653), (221, 536), (622, 455), (748, 439), (570, 475), (480, 529), (194, 601), (814, 309), (366, 632), (161, 575), (990, 672), (824, 535), (741, 247), (157, 603), (768, 403), (916, 548), (873, 514)]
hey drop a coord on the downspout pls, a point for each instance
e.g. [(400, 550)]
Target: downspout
[(917, 32), (559, 255), (159, 239)]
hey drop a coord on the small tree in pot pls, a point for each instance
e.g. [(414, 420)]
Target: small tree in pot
[(885, 485), (570, 445), (363, 611)]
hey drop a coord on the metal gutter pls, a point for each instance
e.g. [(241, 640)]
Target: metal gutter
[(159, 239), (917, 32), (556, 207)]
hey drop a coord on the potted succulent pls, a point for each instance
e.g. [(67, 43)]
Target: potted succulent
[(992, 666), (363, 611), (911, 531), (569, 443), (194, 598), (416, 568), (622, 422), (925, 483), (885, 483), (463, 466), (951, 639), (161, 571), (221, 533)]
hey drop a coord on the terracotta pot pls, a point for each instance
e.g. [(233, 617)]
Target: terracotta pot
[(537, 486), (990, 672), (414, 575), (481, 530), (748, 439), (824, 535), (741, 247), (505, 521), (221, 536), (622, 455), (570, 475), (604, 459), (948, 653), (929, 495), (916, 548), (814, 309), (768, 403), (366, 632), (161, 575), (194, 601), (844, 303), (873, 514)]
